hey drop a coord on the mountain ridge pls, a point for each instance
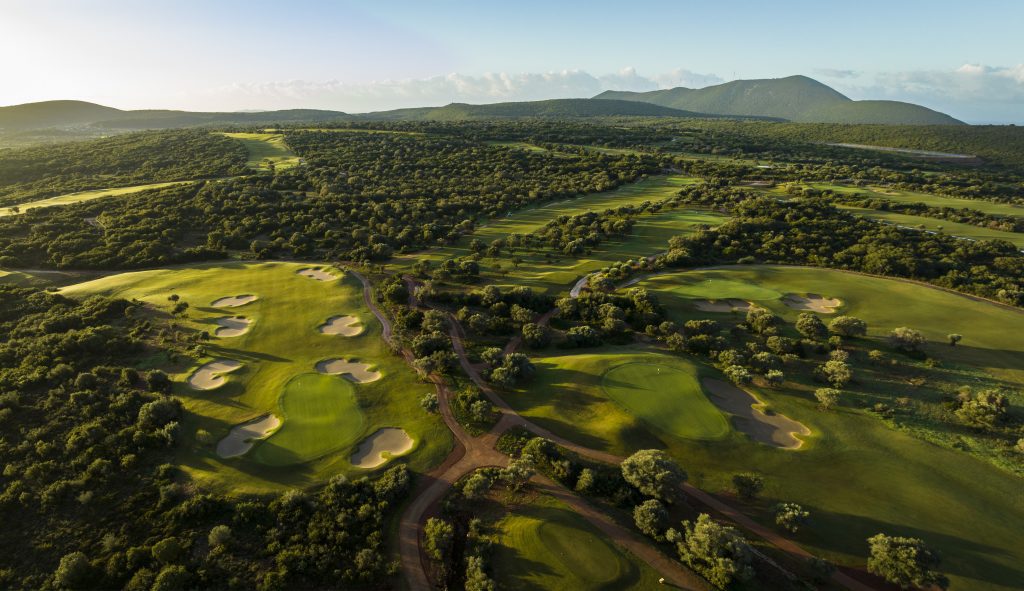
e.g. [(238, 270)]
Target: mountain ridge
[(799, 99)]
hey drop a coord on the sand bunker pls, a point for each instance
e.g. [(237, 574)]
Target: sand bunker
[(234, 301), (812, 302), (346, 326), (242, 437), (317, 274), (211, 375), (380, 447), (775, 429), (725, 306), (353, 370), (231, 326)]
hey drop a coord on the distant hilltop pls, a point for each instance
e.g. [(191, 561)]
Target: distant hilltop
[(796, 98)]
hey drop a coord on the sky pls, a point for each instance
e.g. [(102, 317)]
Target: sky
[(962, 58)]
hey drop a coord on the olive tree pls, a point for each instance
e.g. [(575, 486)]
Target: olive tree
[(654, 474), (906, 562)]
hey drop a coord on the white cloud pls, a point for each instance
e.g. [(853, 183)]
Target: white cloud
[(441, 90), (834, 73)]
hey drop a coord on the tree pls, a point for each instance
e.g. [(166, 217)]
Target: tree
[(827, 397), (476, 577), (587, 480), (438, 536), (775, 378), (739, 375), (168, 550), (429, 402), (848, 326), (476, 486), (654, 474), (838, 373), (906, 339), (790, 516), (748, 485), (536, 336), (396, 292), (954, 339), (220, 535), (651, 518), (718, 552), (172, 578), (72, 572), (518, 472), (906, 562), (810, 326), (985, 409)]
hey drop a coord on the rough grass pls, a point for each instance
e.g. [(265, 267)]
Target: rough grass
[(545, 545), (320, 414), (667, 397), (266, 148), (283, 342)]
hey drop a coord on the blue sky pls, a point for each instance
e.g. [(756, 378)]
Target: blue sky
[(963, 58)]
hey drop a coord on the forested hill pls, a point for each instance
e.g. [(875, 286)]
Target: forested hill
[(555, 108), (795, 98), (64, 114)]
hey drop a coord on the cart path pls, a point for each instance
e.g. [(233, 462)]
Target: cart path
[(479, 452)]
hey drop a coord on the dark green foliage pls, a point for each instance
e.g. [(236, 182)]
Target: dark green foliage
[(36, 173), (906, 562), (654, 474)]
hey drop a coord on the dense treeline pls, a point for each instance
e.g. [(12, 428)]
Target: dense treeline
[(813, 232), (88, 495), (960, 215), (36, 173), (359, 197)]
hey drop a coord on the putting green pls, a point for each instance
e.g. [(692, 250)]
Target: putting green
[(283, 345), (545, 545), (666, 397), (320, 415), (713, 288)]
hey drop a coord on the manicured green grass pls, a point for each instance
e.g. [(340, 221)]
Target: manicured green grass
[(856, 474), (84, 196), (667, 397), (991, 207), (570, 396), (320, 414), (937, 225), (266, 147), (545, 545), (282, 342), (717, 288)]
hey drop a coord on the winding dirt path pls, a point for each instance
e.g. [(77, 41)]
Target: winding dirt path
[(480, 452)]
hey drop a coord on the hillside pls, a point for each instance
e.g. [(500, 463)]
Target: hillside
[(554, 108), (53, 114), (81, 114), (796, 98)]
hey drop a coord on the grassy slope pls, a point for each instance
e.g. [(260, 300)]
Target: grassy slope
[(650, 235), (545, 545), (991, 207), (264, 147), (86, 196), (859, 476), (283, 342), (937, 225)]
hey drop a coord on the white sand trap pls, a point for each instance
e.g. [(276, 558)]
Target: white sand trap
[(812, 302), (353, 370), (242, 437), (774, 429), (380, 447), (211, 375), (317, 274), (231, 326), (724, 306), (234, 301), (346, 326)]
